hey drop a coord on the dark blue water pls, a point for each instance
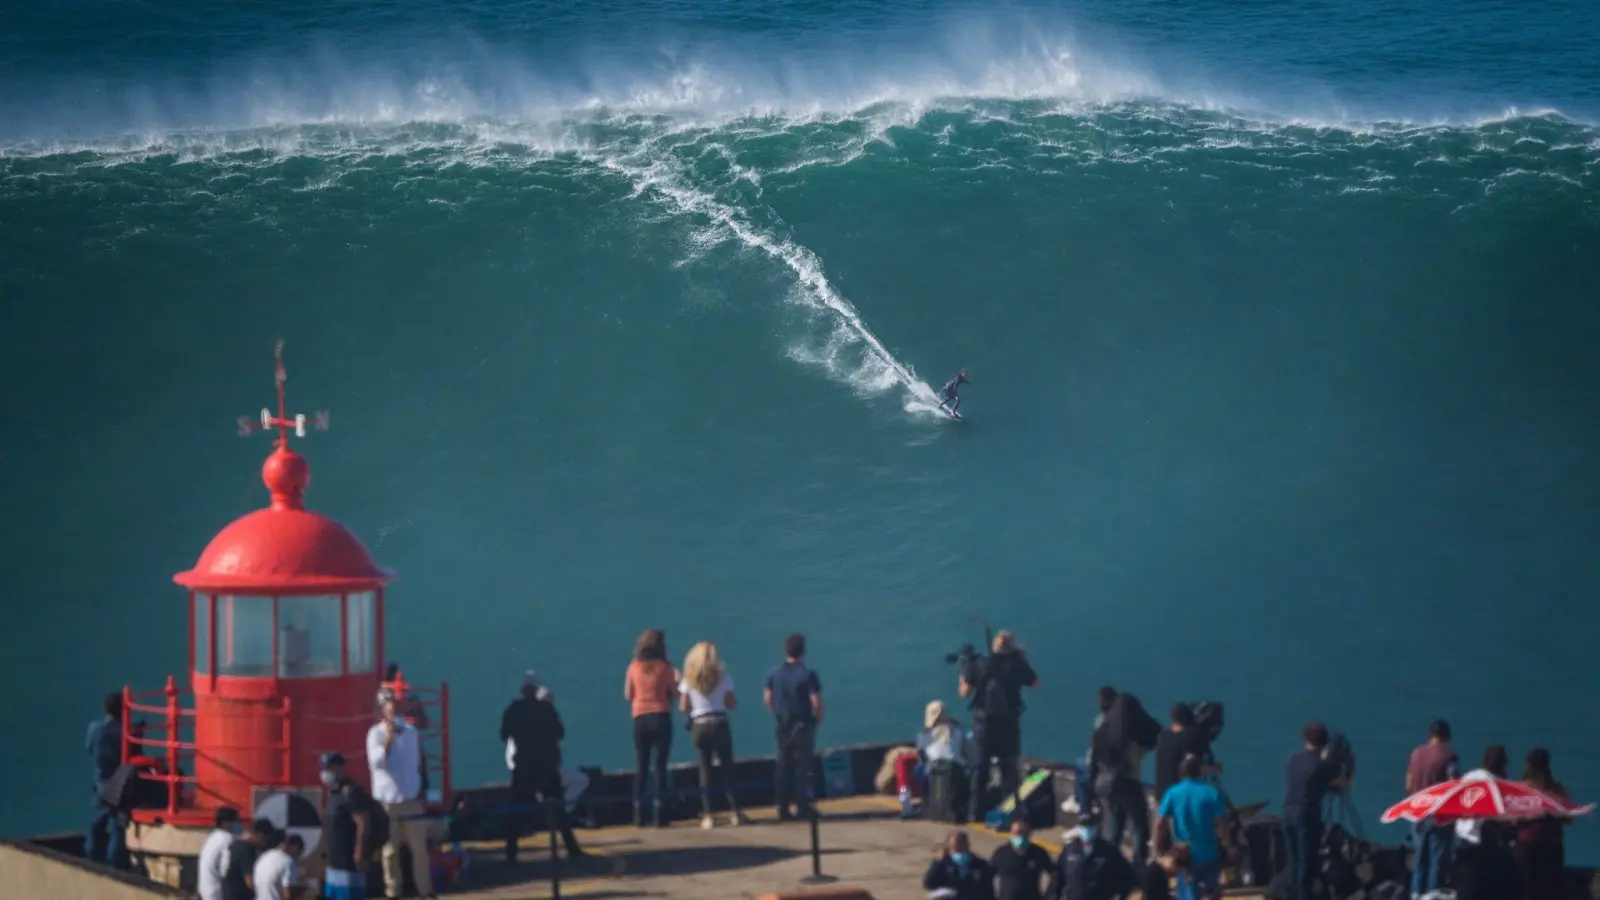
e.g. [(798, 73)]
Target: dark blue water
[(1280, 322)]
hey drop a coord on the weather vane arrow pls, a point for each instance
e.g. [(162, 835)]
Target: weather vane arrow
[(282, 421)]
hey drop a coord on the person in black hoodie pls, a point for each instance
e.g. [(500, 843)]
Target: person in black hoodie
[(1120, 742), (957, 872), (532, 723)]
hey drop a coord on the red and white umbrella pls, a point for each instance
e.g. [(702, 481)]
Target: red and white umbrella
[(1479, 795)]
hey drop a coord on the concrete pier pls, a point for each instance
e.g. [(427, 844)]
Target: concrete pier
[(864, 845)]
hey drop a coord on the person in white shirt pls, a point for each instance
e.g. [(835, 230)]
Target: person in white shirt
[(214, 853), (394, 756), (277, 872), (706, 694)]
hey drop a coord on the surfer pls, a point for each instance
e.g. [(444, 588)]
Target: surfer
[(952, 399)]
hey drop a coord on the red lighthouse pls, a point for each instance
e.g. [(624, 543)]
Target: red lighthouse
[(286, 650)]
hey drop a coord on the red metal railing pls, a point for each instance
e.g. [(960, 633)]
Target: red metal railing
[(177, 757), (434, 733)]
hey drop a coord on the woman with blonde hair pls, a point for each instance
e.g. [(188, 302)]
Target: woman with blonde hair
[(650, 685), (706, 694)]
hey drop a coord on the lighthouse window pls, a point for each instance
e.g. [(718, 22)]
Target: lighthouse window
[(308, 639), (244, 635), (360, 631)]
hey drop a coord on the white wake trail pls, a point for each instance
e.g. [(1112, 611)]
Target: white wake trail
[(877, 369)]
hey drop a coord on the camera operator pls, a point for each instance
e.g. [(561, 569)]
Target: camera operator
[(994, 684), (1184, 737)]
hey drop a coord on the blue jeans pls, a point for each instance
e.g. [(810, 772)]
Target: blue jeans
[(1083, 788), (1433, 847), (1201, 881), (106, 840), (1301, 839)]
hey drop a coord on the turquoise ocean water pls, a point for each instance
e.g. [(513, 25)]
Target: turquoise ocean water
[(1280, 321)]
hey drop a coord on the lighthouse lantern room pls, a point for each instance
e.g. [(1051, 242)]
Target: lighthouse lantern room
[(286, 624)]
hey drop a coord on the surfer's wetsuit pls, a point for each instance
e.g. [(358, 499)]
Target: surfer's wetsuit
[(951, 398)]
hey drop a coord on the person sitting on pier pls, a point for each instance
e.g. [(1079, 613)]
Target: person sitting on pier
[(958, 875), (942, 753), (706, 696)]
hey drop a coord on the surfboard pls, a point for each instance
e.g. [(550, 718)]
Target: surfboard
[(948, 413)]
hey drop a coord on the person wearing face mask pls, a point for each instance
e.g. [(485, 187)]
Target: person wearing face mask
[(348, 814), (1090, 868), (1019, 865), (958, 875)]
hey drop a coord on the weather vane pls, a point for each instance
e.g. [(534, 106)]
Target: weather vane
[(282, 422)]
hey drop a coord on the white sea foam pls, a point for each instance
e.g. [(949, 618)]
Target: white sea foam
[(982, 65)]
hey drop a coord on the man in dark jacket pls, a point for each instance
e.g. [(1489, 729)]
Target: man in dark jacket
[(959, 874), (1091, 868), (532, 723), (994, 684)]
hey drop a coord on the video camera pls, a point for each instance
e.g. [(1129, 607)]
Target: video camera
[(963, 657), (969, 654), (1208, 719), (1342, 755)]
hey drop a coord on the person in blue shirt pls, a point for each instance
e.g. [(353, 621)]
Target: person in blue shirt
[(1195, 811), (794, 695), (105, 841)]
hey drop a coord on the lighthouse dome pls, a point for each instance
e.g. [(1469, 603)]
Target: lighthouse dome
[(284, 548)]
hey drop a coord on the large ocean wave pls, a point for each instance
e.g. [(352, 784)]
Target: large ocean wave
[(710, 178), (697, 134)]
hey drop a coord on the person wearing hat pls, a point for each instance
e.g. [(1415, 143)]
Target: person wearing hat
[(348, 814), (941, 737)]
